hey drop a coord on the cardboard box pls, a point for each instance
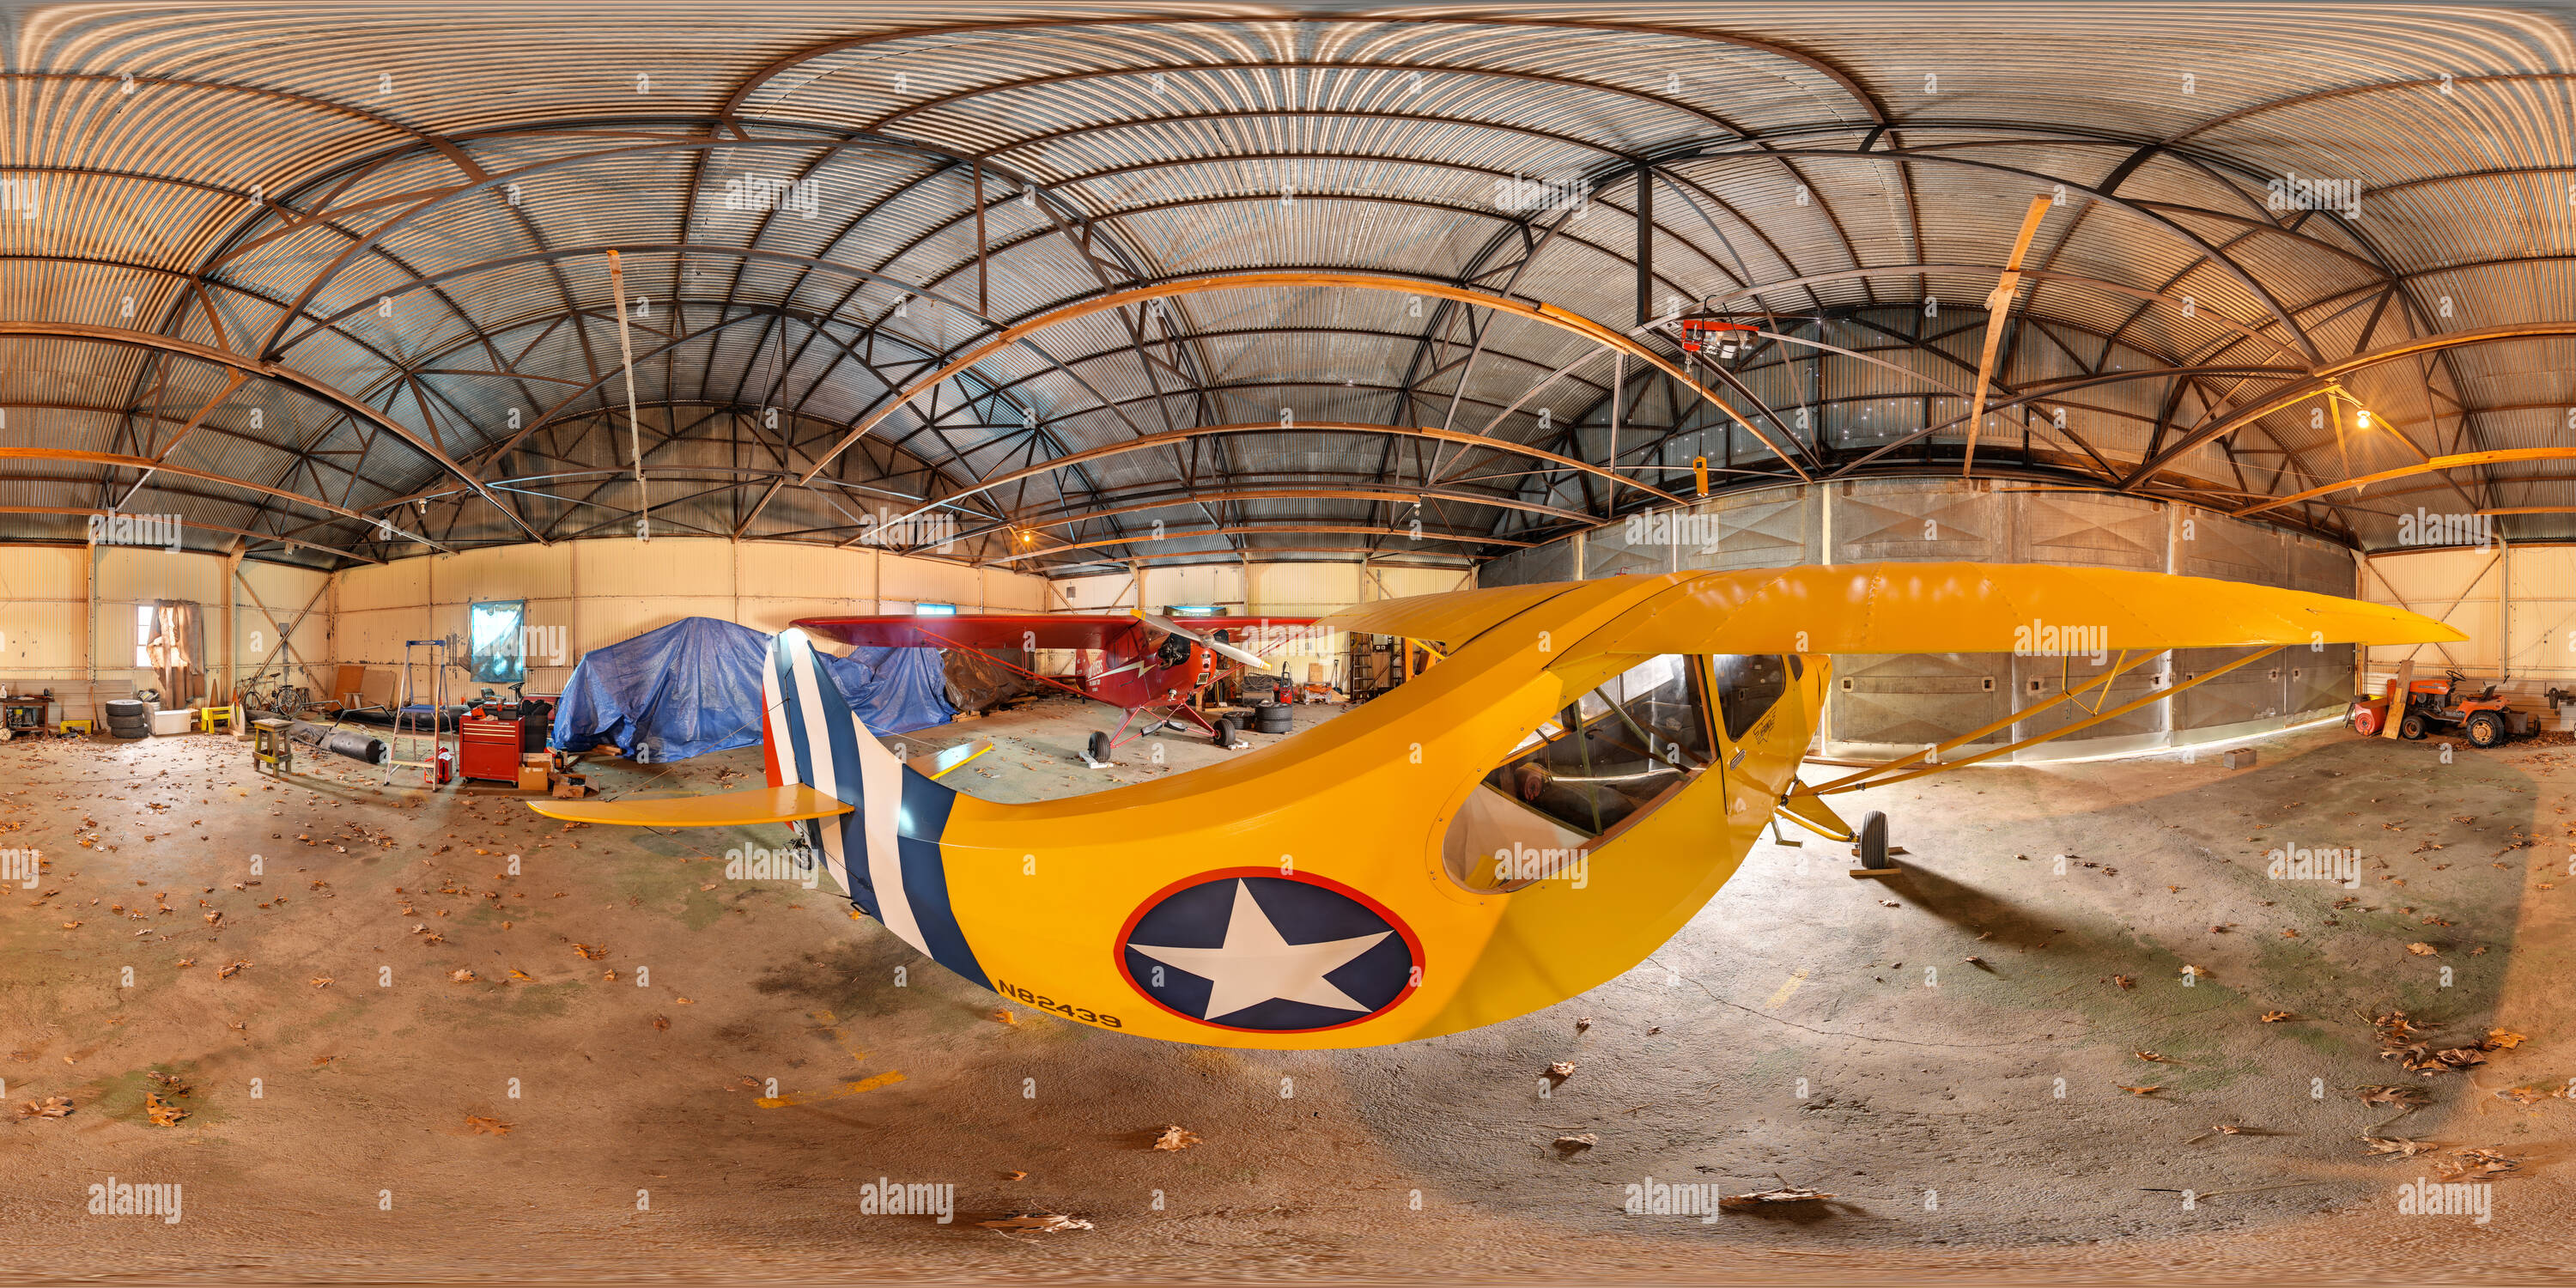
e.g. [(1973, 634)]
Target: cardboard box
[(570, 787), (532, 778)]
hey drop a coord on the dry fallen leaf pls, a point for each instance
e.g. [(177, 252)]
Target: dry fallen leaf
[(49, 1107), (1176, 1137), (1045, 1221), (2423, 950), (2399, 1146), (661, 1022), (2382, 1095), (2476, 1164), (2275, 1017), (2157, 1057), (229, 971), (1015, 1176), (2124, 981), (2502, 1040), (163, 1113), (461, 976), (320, 981), (1561, 1069), (487, 1126), (1571, 1144), (593, 954), (1793, 1194), (2137, 1091)]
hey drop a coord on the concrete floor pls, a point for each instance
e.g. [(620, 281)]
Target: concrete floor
[(1931, 1111)]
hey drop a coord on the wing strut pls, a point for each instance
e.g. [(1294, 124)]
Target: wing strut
[(1871, 776)]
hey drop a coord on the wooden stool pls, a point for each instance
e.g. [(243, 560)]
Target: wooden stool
[(85, 726), (209, 717), (271, 751)]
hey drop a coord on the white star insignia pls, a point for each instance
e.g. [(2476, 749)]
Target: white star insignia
[(1256, 964)]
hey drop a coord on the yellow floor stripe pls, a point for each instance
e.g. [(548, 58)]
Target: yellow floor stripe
[(1795, 979), (887, 1078)]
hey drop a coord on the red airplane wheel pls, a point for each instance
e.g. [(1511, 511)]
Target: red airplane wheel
[(2365, 721)]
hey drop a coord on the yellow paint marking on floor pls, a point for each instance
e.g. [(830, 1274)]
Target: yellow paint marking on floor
[(1796, 978), (887, 1078)]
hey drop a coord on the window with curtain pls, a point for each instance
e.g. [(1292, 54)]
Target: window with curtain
[(166, 634)]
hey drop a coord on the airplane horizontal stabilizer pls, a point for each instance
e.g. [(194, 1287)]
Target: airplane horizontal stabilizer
[(724, 809)]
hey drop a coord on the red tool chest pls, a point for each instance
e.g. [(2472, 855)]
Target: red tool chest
[(488, 747)]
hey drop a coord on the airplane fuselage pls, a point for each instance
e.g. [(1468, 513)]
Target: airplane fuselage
[(1321, 868)]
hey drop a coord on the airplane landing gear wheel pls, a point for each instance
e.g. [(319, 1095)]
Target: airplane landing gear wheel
[(1099, 748), (1873, 841), (2413, 727), (1225, 732)]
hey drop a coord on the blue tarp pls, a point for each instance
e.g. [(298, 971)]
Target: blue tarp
[(693, 687)]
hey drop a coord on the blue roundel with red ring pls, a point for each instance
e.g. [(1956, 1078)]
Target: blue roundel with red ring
[(1251, 950)]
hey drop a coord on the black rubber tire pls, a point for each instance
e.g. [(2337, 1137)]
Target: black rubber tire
[(130, 735), (2486, 729), (2413, 728), (127, 707), (1099, 748), (129, 726), (1873, 841), (1225, 732)]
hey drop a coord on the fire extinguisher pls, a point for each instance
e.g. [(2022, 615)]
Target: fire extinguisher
[(446, 765)]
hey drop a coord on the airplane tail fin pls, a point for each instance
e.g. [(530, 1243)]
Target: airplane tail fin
[(885, 850)]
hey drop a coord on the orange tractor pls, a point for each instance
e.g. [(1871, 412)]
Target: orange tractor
[(2436, 705)]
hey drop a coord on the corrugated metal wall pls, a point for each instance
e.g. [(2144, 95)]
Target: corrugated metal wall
[(599, 592), (1901, 702), (46, 643), (2517, 605)]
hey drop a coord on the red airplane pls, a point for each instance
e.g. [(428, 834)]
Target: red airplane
[(1149, 665)]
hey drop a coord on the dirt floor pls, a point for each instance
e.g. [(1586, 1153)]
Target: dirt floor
[(567, 1072)]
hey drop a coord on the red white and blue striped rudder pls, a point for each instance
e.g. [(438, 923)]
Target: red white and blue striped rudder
[(886, 851)]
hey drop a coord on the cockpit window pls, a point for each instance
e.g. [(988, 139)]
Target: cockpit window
[(1747, 685), (1614, 750)]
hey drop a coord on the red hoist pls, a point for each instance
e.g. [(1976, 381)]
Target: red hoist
[(1714, 340)]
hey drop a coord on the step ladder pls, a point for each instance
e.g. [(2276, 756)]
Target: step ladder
[(413, 723)]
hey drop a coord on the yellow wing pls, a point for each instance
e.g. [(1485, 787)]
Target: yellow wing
[(1447, 619), (1989, 608), (722, 809)]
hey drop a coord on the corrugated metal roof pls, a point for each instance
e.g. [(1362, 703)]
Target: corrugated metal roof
[(409, 207)]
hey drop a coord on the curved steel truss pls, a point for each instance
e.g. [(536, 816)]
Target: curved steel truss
[(1218, 288)]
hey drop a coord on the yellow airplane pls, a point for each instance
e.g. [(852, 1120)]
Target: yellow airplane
[(1522, 822)]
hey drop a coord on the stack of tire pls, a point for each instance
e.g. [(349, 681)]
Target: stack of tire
[(1270, 717), (129, 718)]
